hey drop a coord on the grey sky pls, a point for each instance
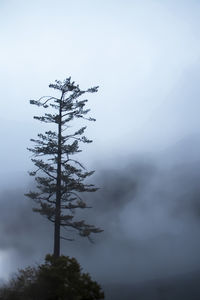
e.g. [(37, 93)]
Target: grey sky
[(137, 51), (145, 56)]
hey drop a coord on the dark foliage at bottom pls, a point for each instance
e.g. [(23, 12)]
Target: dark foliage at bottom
[(56, 279)]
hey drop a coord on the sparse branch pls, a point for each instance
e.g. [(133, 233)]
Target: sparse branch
[(66, 239), (49, 98), (75, 161), (47, 173), (39, 103)]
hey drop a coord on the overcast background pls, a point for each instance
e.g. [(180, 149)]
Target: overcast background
[(145, 56)]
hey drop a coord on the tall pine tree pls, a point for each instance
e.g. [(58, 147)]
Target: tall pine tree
[(59, 176)]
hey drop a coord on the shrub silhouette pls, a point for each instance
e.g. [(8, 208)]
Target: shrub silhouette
[(56, 279)]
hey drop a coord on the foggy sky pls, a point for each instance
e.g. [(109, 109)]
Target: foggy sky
[(144, 55)]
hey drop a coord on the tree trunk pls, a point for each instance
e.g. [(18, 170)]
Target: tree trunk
[(58, 190)]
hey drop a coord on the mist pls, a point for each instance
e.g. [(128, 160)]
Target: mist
[(150, 216)]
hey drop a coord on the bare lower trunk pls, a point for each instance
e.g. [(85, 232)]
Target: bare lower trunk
[(56, 239)]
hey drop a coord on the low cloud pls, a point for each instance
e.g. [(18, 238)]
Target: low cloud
[(149, 212)]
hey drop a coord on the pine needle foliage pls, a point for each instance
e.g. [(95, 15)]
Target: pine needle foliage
[(61, 178)]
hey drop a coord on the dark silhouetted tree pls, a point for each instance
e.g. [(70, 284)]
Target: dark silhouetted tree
[(59, 176)]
